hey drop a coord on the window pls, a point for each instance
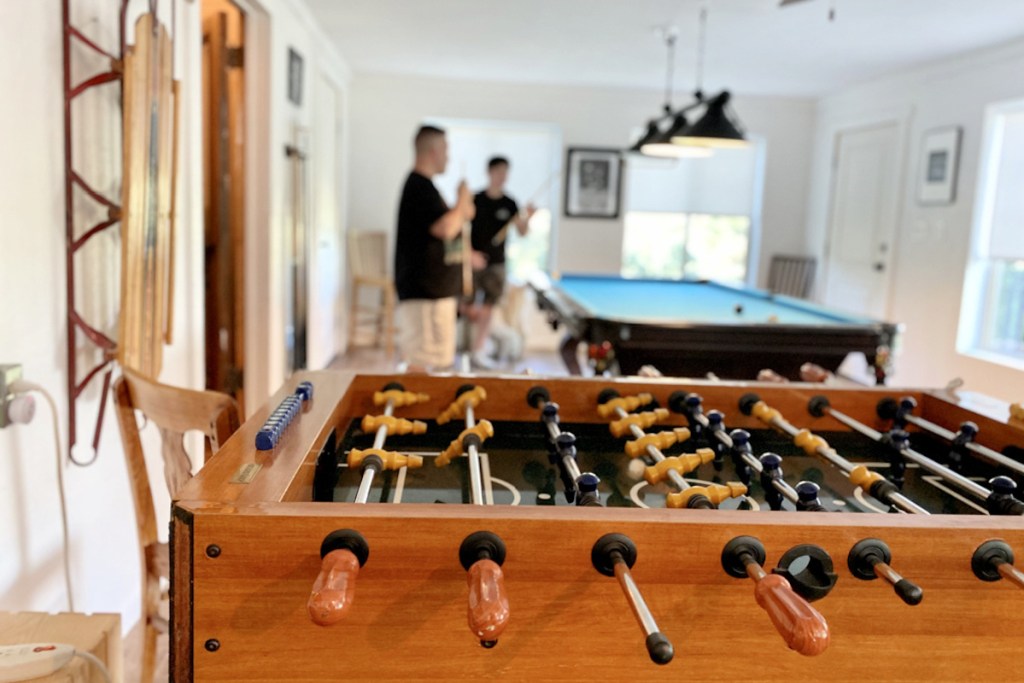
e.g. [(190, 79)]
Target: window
[(677, 245), (992, 318), (692, 218)]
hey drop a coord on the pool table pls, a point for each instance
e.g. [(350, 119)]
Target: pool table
[(689, 328)]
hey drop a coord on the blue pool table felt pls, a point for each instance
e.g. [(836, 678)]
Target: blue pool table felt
[(675, 301)]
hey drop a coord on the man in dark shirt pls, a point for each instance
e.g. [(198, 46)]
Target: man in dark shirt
[(428, 258), (496, 213)]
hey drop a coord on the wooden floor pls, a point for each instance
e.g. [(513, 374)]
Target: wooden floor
[(374, 360)]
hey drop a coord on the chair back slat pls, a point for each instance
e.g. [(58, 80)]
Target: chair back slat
[(792, 275), (368, 254)]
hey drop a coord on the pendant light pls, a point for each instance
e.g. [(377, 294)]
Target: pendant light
[(657, 142), (715, 129)]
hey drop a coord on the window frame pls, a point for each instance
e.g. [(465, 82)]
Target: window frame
[(979, 297)]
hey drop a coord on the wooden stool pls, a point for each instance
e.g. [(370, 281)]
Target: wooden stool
[(368, 260)]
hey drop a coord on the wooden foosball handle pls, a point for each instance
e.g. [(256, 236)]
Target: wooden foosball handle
[(334, 588), (488, 602), (800, 625)]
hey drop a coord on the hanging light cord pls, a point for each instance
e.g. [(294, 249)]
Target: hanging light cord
[(701, 42), (670, 43)]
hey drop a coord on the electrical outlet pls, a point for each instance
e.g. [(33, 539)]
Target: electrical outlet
[(9, 374)]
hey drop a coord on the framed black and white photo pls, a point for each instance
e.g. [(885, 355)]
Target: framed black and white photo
[(294, 77), (593, 182), (940, 156)]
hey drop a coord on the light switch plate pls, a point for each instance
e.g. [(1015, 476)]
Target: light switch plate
[(9, 374)]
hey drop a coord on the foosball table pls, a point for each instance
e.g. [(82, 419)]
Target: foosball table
[(447, 527)]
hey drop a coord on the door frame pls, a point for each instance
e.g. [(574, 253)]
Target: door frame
[(256, 249), (901, 119)]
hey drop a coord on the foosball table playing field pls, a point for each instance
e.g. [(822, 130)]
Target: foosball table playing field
[(447, 527)]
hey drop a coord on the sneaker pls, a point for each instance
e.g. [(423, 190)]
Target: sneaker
[(480, 361)]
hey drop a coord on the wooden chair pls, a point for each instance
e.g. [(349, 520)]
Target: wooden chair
[(791, 275), (368, 260), (174, 411)]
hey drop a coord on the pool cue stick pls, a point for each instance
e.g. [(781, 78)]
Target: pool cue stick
[(502, 234)]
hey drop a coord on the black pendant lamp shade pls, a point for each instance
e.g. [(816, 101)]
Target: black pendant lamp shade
[(653, 133), (663, 146), (714, 129)]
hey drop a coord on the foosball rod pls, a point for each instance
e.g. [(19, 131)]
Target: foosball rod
[(538, 397), (780, 485), (772, 417), (819, 406), (889, 409), (475, 473), (366, 483), (652, 450)]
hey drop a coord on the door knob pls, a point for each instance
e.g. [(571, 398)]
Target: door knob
[(879, 267)]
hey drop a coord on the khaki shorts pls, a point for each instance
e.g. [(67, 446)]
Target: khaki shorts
[(426, 332), (490, 281)]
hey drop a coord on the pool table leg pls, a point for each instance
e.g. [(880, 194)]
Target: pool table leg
[(568, 350), (883, 359)]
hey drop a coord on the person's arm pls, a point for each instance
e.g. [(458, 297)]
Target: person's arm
[(522, 221), (450, 224)]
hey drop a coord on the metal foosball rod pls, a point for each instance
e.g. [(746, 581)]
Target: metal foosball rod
[(870, 559), (580, 487), (614, 555), (812, 444), (999, 500), (737, 442), (472, 437), (375, 459), (802, 627), (901, 413), (610, 404), (481, 554)]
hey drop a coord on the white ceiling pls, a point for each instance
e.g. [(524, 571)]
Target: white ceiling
[(753, 46)]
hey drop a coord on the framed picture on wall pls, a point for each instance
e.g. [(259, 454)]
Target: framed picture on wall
[(940, 156), (593, 182), (294, 77)]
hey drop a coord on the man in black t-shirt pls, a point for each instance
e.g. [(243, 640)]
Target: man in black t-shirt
[(496, 214), (428, 258)]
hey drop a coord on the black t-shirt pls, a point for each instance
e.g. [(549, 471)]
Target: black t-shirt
[(425, 267), (491, 216)]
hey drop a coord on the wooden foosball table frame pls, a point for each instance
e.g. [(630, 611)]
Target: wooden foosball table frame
[(245, 544)]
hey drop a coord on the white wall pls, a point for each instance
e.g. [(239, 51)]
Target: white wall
[(933, 242), (32, 302), (386, 111)]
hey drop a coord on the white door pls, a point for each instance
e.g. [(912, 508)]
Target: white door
[(863, 220), (325, 273)]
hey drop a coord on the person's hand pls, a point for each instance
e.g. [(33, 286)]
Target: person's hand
[(466, 204), (478, 260), (530, 210)]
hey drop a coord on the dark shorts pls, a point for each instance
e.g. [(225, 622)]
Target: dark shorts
[(490, 281)]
